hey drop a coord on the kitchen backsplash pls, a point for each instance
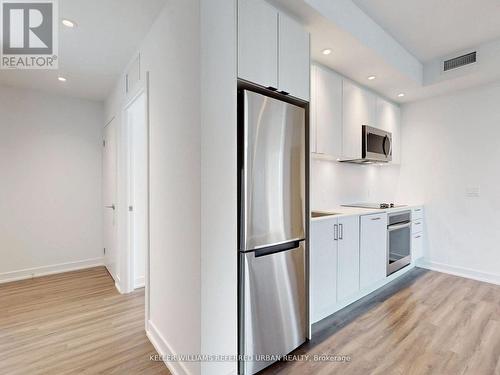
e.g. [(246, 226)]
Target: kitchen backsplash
[(334, 183)]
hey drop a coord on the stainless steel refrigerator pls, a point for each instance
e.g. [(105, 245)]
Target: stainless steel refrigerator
[(272, 214)]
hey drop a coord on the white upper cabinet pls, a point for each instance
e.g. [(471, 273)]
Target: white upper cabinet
[(326, 111), (359, 108), (273, 49), (258, 42), (294, 61), (373, 249), (389, 119)]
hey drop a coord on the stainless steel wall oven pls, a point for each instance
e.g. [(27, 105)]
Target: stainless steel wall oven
[(398, 241)]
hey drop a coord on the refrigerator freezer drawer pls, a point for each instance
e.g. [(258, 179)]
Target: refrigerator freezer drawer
[(273, 183), (274, 305)]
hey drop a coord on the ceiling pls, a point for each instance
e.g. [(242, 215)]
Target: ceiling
[(92, 55), (431, 29), (403, 43)]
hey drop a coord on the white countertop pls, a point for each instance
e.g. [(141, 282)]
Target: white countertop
[(354, 211)]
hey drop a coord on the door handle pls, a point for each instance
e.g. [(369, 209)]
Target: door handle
[(294, 244), (392, 228), (111, 207)]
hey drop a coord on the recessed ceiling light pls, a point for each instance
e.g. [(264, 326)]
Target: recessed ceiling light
[(326, 51), (400, 95), (68, 23), (62, 79), (371, 78)]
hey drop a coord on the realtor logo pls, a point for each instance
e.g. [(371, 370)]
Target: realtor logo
[(29, 34)]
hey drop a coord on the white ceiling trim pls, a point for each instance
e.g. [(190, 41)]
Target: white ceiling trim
[(349, 17)]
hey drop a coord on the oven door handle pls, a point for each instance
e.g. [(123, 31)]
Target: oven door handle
[(391, 228)]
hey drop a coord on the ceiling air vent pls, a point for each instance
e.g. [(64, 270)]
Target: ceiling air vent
[(459, 61)]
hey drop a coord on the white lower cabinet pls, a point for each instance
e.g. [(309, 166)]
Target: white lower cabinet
[(334, 263), (417, 246), (417, 237), (373, 249), (323, 268), (348, 257)]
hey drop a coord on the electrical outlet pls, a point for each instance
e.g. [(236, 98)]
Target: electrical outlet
[(473, 192)]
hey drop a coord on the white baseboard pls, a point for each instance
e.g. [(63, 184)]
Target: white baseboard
[(459, 271), (164, 349), (30, 273), (139, 282), (118, 288)]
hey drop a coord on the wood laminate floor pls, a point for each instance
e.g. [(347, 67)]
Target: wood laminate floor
[(73, 323), (425, 323)]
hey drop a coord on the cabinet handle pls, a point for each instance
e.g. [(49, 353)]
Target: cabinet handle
[(418, 209), (272, 88), (285, 93), (341, 235), (375, 218), (335, 232), (418, 236)]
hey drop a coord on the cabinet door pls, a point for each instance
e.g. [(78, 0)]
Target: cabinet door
[(373, 249), (294, 61), (258, 42), (323, 271), (327, 104), (312, 111), (348, 257), (389, 119), (417, 246), (359, 108)]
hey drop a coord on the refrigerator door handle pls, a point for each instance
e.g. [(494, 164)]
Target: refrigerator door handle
[(277, 248)]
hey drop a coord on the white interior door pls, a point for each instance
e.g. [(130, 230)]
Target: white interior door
[(137, 126), (109, 199)]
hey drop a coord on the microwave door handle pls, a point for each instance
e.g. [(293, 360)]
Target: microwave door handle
[(387, 140)]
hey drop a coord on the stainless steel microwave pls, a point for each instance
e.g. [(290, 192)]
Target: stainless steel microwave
[(376, 145)]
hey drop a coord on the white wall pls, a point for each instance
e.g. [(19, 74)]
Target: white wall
[(50, 190), (334, 183), (219, 189), (171, 53), (450, 144)]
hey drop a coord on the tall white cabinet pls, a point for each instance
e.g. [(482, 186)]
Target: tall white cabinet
[(273, 49)]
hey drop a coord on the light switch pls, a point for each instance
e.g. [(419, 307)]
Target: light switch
[(472, 191)]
